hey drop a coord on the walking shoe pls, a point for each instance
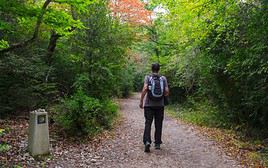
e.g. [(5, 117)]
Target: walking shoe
[(147, 147), (157, 146)]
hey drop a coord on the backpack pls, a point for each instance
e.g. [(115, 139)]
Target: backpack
[(156, 87)]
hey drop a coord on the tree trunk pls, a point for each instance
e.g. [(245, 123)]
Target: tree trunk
[(50, 50), (51, 46)]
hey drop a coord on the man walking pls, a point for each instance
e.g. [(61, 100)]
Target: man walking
[(155, 89)]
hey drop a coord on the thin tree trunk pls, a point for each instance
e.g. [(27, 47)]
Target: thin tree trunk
[(51, 46), (50, 50)]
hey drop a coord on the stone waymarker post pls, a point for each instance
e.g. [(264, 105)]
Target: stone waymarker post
[(38, 139)]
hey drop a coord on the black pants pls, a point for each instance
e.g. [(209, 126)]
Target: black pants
[(156, 113)]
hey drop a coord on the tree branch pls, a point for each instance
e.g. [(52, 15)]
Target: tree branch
[(35, 34)]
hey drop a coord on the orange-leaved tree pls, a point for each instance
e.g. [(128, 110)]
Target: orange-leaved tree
[(131, 11)]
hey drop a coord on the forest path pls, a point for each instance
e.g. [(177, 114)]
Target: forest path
[(182, 146)]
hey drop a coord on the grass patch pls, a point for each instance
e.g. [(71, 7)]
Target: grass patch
[(202, 114)]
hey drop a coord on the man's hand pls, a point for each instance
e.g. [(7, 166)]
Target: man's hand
[(166, 92), (141, 104), (143, 93)]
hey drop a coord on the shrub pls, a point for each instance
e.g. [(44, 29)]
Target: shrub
[(84, 115)]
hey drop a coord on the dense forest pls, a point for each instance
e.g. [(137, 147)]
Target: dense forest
[(73, 57)]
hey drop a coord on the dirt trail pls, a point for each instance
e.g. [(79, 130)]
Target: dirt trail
[(182, 146)]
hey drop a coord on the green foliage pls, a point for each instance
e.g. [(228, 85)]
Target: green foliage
[(239, 66), (104, 45), (138, 81), (3, 146), (216, 50), (71, 55), (90, 53), (62, 22), (3, 44), (202, 113), (81, 6), (1, 132), (22, 83), (127, 79), (83, 115)]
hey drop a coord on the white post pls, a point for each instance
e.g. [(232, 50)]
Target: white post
[(38, 139)]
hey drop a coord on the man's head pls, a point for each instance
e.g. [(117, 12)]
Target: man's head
[(155, 67)]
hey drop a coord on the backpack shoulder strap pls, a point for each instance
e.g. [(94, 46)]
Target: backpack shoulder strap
[(162, 83), (149, 79)]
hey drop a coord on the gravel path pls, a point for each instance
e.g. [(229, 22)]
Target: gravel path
[(182, 146)]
